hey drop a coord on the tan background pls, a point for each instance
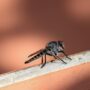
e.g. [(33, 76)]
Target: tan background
[(26, 26)]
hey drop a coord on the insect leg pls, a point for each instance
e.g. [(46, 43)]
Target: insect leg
[(61, 59), (66, 55), (44, 62), (50, 55), (52, 60), (56, 57)]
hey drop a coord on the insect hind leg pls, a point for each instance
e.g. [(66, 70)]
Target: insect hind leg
[(44, 62)]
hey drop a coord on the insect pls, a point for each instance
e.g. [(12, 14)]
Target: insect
[(53, 48)]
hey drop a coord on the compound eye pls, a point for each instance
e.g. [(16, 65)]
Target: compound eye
[(61, 43), (49, 49)]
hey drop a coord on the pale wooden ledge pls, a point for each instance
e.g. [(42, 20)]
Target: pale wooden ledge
[(32, 72)]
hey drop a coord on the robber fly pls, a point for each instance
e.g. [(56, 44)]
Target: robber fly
[(53, 48)]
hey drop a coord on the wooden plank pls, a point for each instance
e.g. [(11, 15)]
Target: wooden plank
[(32, 72)]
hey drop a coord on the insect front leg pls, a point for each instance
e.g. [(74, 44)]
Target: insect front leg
[(61, 59), (66, 55), (56, 57)]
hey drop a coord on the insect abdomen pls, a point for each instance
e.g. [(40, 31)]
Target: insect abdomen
[(36, 56)]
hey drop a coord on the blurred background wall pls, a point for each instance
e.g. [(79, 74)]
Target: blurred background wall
[(27, 25)]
